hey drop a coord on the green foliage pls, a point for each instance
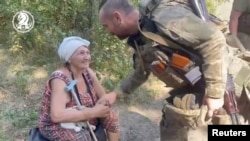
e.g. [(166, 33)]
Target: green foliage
[(211, 5), (110, 56), (21, 83), (55, 20), (16, 121), (21, 118), (2, 136)]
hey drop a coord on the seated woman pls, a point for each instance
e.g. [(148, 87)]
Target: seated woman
[(58, 104)]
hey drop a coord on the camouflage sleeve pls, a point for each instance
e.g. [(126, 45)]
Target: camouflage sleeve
[(134, 80), (189, 30), (240, 5)]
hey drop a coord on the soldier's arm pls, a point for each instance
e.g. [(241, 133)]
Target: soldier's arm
[(240, 5), (214, 68), (189, 30), (233, 23), (237, 9), (134, 80)]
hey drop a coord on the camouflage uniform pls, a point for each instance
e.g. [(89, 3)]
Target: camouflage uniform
[(244, 21), (182, 108)]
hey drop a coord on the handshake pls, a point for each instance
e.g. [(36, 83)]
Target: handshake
[(101, 109)]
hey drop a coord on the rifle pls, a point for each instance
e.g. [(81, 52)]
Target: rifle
[(230, 102)]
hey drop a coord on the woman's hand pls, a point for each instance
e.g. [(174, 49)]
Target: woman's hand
[(101, 110)]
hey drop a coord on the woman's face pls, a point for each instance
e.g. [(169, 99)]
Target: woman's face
[(81, 58)]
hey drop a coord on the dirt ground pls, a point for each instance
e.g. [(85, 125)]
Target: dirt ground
[(140, 124)]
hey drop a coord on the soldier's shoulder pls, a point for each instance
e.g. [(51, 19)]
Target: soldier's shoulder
[(143, 5)]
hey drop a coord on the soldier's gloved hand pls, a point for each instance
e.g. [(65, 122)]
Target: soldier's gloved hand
[(213, 105)]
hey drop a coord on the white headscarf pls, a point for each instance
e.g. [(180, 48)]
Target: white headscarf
[(69, 45)]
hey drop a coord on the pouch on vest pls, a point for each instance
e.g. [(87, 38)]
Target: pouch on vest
[(166, 74), (176, 67), (192, 74), (157, 67), (180, 62)]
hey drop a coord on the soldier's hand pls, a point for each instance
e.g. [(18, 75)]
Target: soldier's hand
[(103, 100), (213, 105), (110, 98)]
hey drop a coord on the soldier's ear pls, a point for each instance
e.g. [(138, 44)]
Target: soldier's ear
[(117, 17)]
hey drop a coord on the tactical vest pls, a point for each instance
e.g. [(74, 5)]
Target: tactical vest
[(244, 23), (179, 66), (171, 48), (157, 59), (183, 63)]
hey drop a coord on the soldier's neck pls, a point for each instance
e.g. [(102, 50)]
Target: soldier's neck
[(134, 17)]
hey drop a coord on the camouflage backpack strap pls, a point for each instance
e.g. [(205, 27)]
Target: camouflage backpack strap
[(147, 6), (158, 39)]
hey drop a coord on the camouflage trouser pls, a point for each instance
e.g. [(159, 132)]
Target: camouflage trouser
[(244, 38)]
